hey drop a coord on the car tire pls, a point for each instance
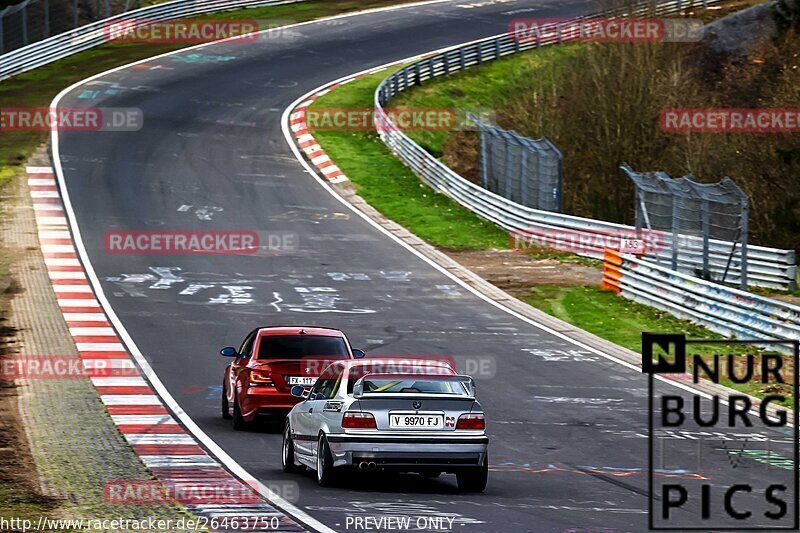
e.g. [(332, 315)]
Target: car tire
[(474, 480), (239, 423), (287, 453), (226, 413), (325, 473)]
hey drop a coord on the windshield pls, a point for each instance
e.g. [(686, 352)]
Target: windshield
[(298, 346), (414, 385)]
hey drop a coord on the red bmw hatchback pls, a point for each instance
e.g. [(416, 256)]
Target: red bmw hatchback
[(272, 360)]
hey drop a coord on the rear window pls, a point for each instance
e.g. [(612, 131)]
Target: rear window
[(384, 366), (298, 346), (414, 386)]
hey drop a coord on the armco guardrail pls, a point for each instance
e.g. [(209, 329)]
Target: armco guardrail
[(65, 44), (769, 267), (725, 310)]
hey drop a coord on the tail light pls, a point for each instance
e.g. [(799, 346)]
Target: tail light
[(354, 420), (262, 376), (471, 421)]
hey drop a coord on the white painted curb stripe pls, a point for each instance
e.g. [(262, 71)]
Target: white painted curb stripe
[(55, 275), (91, 332), (100, 347), (178, 438), (118, 381), (85, 317), (154, 461), (130, 399), (132, 420), (39, 170)]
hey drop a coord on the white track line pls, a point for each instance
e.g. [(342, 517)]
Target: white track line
[(147, 370)]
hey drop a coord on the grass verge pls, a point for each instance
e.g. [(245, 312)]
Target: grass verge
[(622, 322), (391, 187)]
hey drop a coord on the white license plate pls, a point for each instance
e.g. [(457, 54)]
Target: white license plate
[(416, 420), (298, 380)]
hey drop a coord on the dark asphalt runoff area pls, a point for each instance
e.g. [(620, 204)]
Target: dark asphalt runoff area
[(568, 427)]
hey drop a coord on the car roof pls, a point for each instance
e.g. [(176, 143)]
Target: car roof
[(300, 330)]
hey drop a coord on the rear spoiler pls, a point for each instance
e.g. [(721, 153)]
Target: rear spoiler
[(358, 387)]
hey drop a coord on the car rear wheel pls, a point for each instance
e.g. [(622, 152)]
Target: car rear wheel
[(239, 423), (226, 412), (325, 474), (474, 480), (287, 457)]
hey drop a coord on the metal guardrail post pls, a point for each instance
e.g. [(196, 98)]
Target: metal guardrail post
[(46, 19), (523, 179), (507, 174), (706, 234), (484, 161), (675, 235), (2, 16), (25, 24), (744, 237)]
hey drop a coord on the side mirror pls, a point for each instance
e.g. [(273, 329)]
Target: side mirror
[(359, 354), (298, 391), (228, 352)]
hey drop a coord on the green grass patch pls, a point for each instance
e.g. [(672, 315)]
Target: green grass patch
[(622, 322), (609, 316), (390, 187), (484, 89)]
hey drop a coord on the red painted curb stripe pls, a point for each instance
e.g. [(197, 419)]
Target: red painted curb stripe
[(168, 449), (136, 410), (151, 429), (104, 355), (117, 390)]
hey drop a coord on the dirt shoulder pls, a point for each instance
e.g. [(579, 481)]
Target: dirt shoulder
[(64, 446), (516, 272)]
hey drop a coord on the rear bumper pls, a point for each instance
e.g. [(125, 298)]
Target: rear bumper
[(447, 454), (265, 401)]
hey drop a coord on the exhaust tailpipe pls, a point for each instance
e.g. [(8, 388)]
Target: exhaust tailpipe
[(365, 466)]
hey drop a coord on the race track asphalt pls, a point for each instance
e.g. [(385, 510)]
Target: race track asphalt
[(568, 427)]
